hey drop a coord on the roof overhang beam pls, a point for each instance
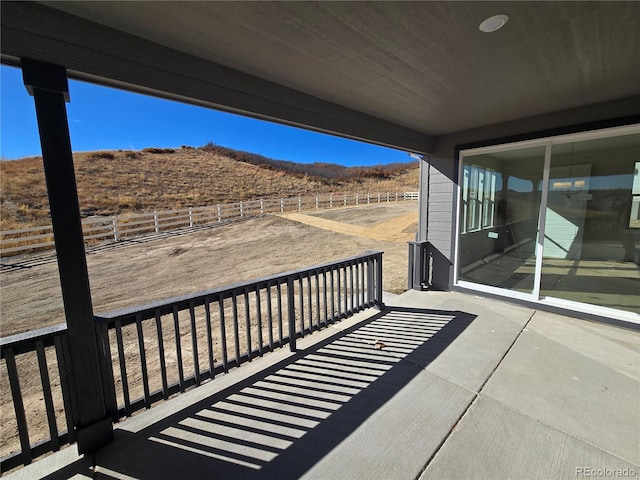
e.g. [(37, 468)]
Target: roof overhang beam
[(93, 52)]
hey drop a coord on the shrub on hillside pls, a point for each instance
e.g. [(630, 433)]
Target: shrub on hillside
[(318, 170), (105, 155), (159, 150)]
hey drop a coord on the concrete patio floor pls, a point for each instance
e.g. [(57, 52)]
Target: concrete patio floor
[(442, 385)]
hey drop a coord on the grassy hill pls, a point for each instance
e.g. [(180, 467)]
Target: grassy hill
[(116, 182)]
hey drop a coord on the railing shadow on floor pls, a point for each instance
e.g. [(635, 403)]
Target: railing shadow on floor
[(280, 422)]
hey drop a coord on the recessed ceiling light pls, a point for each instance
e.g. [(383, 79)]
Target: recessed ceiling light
[(494, 23)]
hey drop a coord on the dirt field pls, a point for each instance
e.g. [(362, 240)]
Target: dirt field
[(144, 270)]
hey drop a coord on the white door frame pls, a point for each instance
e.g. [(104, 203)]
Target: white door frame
[(535, 296)]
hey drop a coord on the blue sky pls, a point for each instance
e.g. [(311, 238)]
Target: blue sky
[(102, 118)]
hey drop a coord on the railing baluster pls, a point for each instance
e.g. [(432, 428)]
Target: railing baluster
[(123, 369), (369, 281), (333, 305), (358, 303), (309, 302), (356, 306), (64, 386), (111, 403), (18, 405), (207, 320), (362, 286), (269, 316), (236, 334), (48, 398), (247, 323), (346, 289), (379, 279), (351, 293), (361, 283), (176, 330), (143, 362), (223, 334), (324, 291), (163, 363), (317, 279), (194, 342), (259, 319), (339, 291), (291, 314), (280, 327), (301, 302)]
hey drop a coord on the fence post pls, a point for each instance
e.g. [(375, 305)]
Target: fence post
[(156, 224), (261, 207), (190, 217), (396, 196), (115, 229), (291, 314), (282, 205), (378, 197), (299, 203), (387, 197), (368, 198), (241, 210), (219, 214), (316, 202), (331, 200)]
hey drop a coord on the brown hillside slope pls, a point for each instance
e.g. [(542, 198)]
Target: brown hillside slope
[(115, 182)]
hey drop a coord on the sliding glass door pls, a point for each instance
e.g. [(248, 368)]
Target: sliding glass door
[(591, 239), (499, 218), (554, 220)]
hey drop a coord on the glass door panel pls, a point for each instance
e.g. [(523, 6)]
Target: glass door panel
[(591, 234), (500, 206)]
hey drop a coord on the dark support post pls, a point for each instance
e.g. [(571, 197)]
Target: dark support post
[(48, 85)]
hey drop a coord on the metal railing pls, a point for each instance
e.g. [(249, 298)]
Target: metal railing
[(154, 351), (116, 228), (419, 265), (36, 361)]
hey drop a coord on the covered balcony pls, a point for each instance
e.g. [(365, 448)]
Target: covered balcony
[(434, 383)]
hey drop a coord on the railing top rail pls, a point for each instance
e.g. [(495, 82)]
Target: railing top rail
[(48, 333), (29, 338), (148, 310)]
